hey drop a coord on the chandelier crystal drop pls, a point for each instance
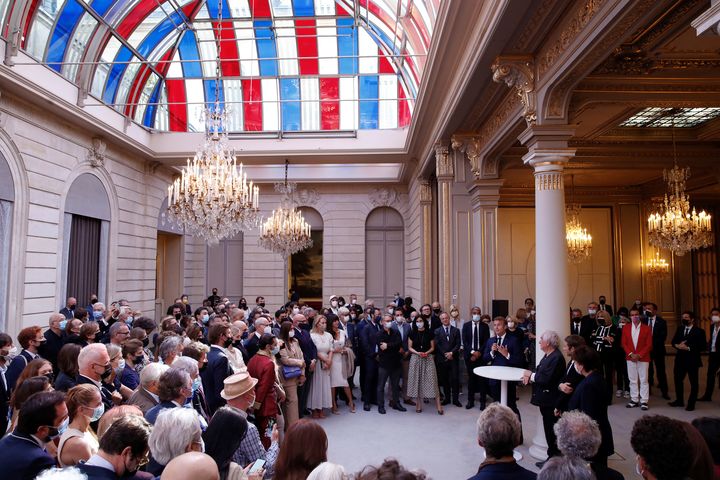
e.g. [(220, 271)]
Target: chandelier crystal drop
[(657, 266), (212, 199), (675, 226), (579, 241), (285, 231)]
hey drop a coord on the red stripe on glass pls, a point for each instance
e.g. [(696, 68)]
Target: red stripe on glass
[(307, 46), (229, 57), (177, 108), (252, 105), (329, 103)]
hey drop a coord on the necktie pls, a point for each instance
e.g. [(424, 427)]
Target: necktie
[(687, 330), (577, 328), (476, 339), (499, 340), (652, 325), (400, 329), (446, 331)]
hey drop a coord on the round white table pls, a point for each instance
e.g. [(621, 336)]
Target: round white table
[(505, 375)]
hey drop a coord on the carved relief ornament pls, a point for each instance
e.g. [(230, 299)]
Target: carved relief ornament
[(425, 192), (549, 181), (444, 162), (96, 153), (470, 146), (307, 197), (518, 71), (383, 197)]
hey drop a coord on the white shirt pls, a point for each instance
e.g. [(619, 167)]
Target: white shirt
[(635, 334), (98, 461)]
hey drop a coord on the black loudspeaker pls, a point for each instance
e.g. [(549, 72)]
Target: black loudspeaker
[(500, 308)]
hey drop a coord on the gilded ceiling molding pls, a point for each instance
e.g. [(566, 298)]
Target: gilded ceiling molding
[(518, 71), (96, 153), (384, 197)]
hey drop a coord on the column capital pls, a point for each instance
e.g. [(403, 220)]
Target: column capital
[(486, 192), (548, 145), (444, 163), (425, 192)]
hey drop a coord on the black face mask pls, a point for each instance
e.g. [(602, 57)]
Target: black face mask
[(138, 360), (685, 322), (244, 335), (243, 304), (93, 301), (437, 311), (50, 376), (146, 342), (424, 315), (261, 304), (228, 342), (178, 316), (107, 372)]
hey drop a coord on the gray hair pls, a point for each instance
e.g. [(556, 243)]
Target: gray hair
[(498, 430), (168, 346), (71, 473), (566, 468), (89, 354), (190, 365), (551, 338), (578, 435), (151, 373), (113, 350), (174, 430), (98, 305), (327, 471), (115, 327), (344, 311)]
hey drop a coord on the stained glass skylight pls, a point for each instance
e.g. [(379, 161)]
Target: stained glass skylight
[(655, 117), (286, 65)]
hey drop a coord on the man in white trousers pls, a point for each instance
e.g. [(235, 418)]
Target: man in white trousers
[(637, 344)]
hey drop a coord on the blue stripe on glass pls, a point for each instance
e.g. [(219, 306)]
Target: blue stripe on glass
[(66, 22), (347, 46), (388, 44), (209, 86), (101, 6), (304, 8), (115, 74), (213, 9), (189, 54), (290, 103), (164, 28), (266, 48), (368, 93), (149, 117)]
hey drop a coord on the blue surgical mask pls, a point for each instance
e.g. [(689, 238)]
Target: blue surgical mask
[(97, 314), (63, 323), (205, 318), (121, 364), (55, 432), (129, 320), (196, 384), (275, 350), (97, 413)]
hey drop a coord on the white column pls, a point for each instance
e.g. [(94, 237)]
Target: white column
[(485, 196), (445, 170), (548, 154)]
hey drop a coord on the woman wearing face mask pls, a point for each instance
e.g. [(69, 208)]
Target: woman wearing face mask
[(78, 443), (134, 356), (263, 367), (120, 392), (234, 354), (422, 376), (319, 396), (291, 356), (337, 378)]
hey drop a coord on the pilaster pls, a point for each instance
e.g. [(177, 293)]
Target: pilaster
[(426, 198), (485, 196), (445, 170)]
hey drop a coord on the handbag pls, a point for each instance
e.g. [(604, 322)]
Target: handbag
[(291, 371)]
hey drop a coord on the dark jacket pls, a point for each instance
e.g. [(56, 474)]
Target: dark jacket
[(105, 391), (368, 340), (390, 358), (573, 378), (467, 338), (447, 343), (64, 382), (503, 471), (695, 340), (152, 414), (590, 397), (548, 374), (16, 367), (213, 377), (513, 349), (306, 345), (50, 349), (21, 458), (659, 336), (587, 327)]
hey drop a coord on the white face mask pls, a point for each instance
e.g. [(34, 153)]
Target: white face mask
[(291, 333), (715, 318), (388, 325), (296, 310), (400, 319), (419, 324), (476, 318), (334, 303), (592, 311)]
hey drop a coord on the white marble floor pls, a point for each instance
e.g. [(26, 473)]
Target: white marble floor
[(446, 447)]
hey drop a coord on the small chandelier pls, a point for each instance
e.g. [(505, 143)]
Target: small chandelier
[(579, 241), (657, 266), (675, 226), (285, 231), (212, 198)]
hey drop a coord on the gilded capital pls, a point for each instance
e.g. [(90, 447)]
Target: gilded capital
[(518, 71), (425, 192), (444, 166), (549, 180)]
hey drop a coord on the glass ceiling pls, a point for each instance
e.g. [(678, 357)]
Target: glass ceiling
[(286, 65), (654, 117)]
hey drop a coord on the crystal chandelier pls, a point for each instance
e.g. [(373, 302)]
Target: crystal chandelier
[(212, 198), (579, 241), (675, 226), (657, 266), (286, 231)]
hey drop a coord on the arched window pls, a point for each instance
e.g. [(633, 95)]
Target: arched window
[(7, 199), (384, 255), (306, 268), (86, 237), (169, 265)]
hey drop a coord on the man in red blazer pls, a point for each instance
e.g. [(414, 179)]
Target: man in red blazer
[(637, 344)]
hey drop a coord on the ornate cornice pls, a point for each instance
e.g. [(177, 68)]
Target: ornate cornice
[(518, 71)]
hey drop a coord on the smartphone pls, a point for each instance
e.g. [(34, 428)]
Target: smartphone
[(257, 466)]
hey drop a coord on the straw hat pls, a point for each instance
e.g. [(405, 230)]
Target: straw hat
[(237, 384)]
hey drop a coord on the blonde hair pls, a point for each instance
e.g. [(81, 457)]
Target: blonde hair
[(317, 322), (80, 396)]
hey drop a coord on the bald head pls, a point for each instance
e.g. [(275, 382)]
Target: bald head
[(298, 318), (191, 466)]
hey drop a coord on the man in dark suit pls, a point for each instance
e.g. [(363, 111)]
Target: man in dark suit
[(93, 368), (546, 380), (689, 341), (43, 417), (587, 323), (401, 325), (218, 366), (31, 340), (447, 356), (309, 355), (123, 449), (475, 335), (261, 327), (658, 325), (713, 355), (503, 350), (426, 312), (54, 341), (68, 311), (389, 364), (603, 305), (369, 349)]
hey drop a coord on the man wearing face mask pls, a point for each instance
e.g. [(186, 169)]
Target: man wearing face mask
[(389, 360), (214, 299), (42, 418), (435, 316), (401, 325), (713, 355), (582, 326), (68, 311), (31, 340), (54, 339), (603, 305), (688, 342), (6, 349), (123, 450), (369, 349), (260, 302), (94, 367), (658, 326), (447, 351), (475, 335), (334, 305), (637, 344), (218, 366)]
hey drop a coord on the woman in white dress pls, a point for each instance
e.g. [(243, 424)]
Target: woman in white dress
[(337, 377), (319, 396)]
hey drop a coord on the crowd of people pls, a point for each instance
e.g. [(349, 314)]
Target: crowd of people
[(233, 391)]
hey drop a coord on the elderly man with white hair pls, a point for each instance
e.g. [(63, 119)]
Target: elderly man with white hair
[(94, 367), (190, 365), (176, 431), (546, 380), (54, 339), (170, 348), (146, 395), (566, 468)]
